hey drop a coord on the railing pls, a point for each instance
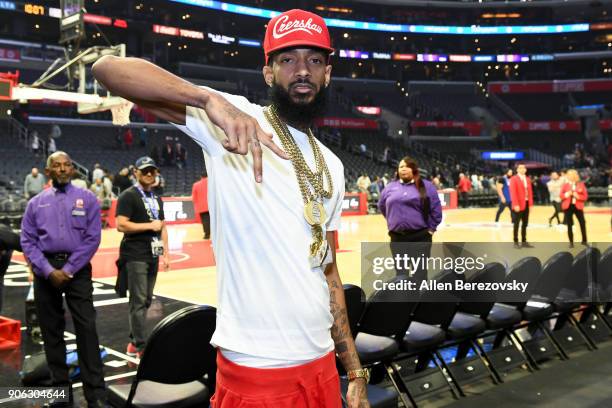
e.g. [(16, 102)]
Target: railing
[(17, 130), (536, 155), (24, 136)]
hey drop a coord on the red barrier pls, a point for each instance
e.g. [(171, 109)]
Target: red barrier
[(10, 333), (544, 126), (355, 204), (448, 198), (472, 128), (560, 86)]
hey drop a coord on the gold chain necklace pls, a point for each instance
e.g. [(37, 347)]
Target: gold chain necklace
[(312, 184)]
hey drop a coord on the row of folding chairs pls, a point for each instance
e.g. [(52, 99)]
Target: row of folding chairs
[(408, 341), (406, 337)]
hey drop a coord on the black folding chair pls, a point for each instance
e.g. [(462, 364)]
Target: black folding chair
[(592, 320), (604, 270), (469, 323), (538, 310), (575, 297), (378, 397), (384, 322), (178, 366), (425, 335), (504, 317)]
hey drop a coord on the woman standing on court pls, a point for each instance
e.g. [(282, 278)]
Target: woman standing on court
[(411, 207), (574, 195)]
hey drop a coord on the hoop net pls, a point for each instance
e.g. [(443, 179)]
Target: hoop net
[(121, 112)]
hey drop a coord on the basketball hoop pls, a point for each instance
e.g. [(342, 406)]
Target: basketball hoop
[(121, 112)]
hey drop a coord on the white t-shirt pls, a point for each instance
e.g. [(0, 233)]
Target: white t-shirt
[(272, 305)]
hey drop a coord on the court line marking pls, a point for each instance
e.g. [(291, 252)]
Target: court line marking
[(107, 302)]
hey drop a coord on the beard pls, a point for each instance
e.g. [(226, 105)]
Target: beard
[(298, 112)]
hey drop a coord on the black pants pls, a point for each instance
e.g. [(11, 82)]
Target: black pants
[(557, 207), (569, 221), (518, 217), (421, 240), (9, 241), (205, 217), (463, 199), (5, 261), (50, 308), (501, 208)]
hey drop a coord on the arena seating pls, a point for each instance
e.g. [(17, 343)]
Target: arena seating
[(541, 106), (89, 145)]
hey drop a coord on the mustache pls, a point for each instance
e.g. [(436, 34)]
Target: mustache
[(302, 81)]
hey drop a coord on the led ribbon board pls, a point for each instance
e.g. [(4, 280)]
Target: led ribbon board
[(398, 28)]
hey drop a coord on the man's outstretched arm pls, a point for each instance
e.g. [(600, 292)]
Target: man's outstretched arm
[(167, 96)]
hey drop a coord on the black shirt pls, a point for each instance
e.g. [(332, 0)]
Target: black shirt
[(131, 204)]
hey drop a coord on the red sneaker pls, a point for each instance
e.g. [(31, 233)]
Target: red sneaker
[(132, 351)]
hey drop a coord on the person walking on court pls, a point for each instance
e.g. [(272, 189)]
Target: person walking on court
[(521, 196), (574, 194), (281, 302), (60, 233), (554, 189), (503, 192), (464, 186), (140, 216), (199, 195)]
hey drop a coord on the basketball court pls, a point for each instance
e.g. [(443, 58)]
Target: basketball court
[(192, 277)]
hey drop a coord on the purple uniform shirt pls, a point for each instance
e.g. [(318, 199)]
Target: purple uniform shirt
[(57, 221), (400, 203)]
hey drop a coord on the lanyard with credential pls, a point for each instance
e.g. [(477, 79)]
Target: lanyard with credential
[(150, 203)]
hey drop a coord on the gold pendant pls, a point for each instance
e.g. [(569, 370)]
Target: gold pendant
[(314, 212)]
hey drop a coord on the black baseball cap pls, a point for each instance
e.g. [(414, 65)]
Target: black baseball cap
[(145, 162)]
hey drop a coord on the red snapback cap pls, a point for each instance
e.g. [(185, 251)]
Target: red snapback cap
[(296, 27)]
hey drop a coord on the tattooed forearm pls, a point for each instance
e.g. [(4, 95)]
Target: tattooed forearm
[(341, 347), (341, 331)]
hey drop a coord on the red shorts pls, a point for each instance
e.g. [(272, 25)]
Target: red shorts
[(312, 385)]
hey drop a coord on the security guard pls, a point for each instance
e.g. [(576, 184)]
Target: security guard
[(60, 233)]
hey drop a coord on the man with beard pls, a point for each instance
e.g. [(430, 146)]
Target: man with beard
[(60, 233), (281, 307)]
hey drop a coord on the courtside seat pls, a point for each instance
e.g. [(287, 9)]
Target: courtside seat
[(375, 348), (535, 311), (465, 326), (563, 304), (422, 337), (502, 316), (178, 366), (152, 394), (577, 287), (378, 397), (505, 315)]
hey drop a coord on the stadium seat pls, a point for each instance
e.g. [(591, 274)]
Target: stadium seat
[(168, 375), (539, 308), (504, 317), (605, 282), (379, 397), (577, 289)]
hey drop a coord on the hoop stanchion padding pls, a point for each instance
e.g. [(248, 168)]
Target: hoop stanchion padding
[(10, 333)]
